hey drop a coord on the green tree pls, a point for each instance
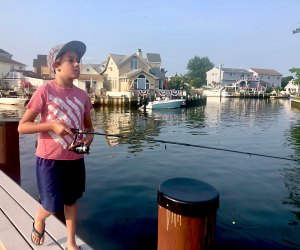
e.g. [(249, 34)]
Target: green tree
[(175, 82), (296, 71), (296, 31), (285, 81), (197, 68)]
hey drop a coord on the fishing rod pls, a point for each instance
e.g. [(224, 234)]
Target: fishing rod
[(81, 131)]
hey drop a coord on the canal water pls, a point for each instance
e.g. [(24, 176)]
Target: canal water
[(259, 196)]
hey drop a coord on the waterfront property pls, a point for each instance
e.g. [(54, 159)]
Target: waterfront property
[(127, 74), (291, 88), (228, 76)]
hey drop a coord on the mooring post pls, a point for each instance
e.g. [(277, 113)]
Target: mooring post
[(9, 149), (186, 214)]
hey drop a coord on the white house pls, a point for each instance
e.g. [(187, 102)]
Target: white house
[(225, 76), (90, 79), (7, 65), (292, 88), (270, 76)]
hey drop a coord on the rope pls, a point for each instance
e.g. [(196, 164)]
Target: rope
[(78, 131)]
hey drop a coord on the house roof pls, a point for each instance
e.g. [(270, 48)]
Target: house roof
[(232, 70), (153, 58), (157, 72), (5, 59), (4, 52), (117, 58), (97, 67), (135, 72), (270, 72)]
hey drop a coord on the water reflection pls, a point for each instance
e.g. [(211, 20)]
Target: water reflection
[(129, 123), (259, 197), (292, 174)]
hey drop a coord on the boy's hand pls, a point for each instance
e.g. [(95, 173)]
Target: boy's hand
[(87, 140), (60, 129)]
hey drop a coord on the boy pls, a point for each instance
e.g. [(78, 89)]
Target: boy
[(60, 171)]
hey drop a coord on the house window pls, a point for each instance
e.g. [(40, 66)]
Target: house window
[(88, 86), (134, 63), (141, 82)]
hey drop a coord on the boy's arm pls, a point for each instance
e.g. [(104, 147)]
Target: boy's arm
[(27, 125)]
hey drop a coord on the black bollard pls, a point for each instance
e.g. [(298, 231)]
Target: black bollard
[(186, 214)]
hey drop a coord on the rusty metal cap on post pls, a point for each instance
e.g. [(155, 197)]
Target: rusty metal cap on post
[(188, 197)]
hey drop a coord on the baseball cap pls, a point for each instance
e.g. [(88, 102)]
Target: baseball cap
[(59, 50)]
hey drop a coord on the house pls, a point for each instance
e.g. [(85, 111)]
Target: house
[(225, 76), (270, 76), (133, 74), (41, 68), (228, 76), (7, 65), (13, 79), (90, 79), (292, 88)]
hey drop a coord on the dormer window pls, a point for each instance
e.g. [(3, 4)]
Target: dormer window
[(134, 63)]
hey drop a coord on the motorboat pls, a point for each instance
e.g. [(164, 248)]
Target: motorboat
[(229, 91), (13, 100), (212, 92), (165, 103)]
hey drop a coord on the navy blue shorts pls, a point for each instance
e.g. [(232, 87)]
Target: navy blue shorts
[(59, 182)]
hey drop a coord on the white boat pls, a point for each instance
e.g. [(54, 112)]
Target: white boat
[(166, 103), (13, 100), (229, 91), (212, 92)]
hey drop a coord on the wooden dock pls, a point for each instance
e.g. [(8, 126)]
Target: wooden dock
[(17, 210)]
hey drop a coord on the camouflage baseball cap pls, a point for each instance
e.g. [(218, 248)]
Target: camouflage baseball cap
[(59, 50)]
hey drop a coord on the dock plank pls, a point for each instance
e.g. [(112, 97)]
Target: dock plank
[(10, 237), (19, 208)]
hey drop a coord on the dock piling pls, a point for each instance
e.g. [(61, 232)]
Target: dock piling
[(186, 214), (9, 149)]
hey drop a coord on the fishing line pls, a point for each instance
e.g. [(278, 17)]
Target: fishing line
[(79, 131)]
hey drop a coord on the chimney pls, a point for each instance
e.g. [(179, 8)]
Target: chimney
[(139, 52)]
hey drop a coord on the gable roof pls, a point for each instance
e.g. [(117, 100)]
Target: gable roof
[(117, 58), (153, 58), (270, 72), (97, 67), (4, 52), (5, 59), (135, 72)]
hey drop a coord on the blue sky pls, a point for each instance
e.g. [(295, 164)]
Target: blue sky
[(235, 33)]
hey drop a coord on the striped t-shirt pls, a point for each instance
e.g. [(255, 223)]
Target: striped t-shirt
[(56, 103)]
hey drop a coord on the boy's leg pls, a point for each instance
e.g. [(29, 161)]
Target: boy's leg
[(39, 225), (71, 223)]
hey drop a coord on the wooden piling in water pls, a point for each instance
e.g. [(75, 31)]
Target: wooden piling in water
[(186, 214), (9, 149)]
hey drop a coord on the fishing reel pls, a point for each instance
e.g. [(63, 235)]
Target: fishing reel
[(77, 146)]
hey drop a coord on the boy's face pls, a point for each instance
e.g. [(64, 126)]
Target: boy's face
[(69, 65)]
